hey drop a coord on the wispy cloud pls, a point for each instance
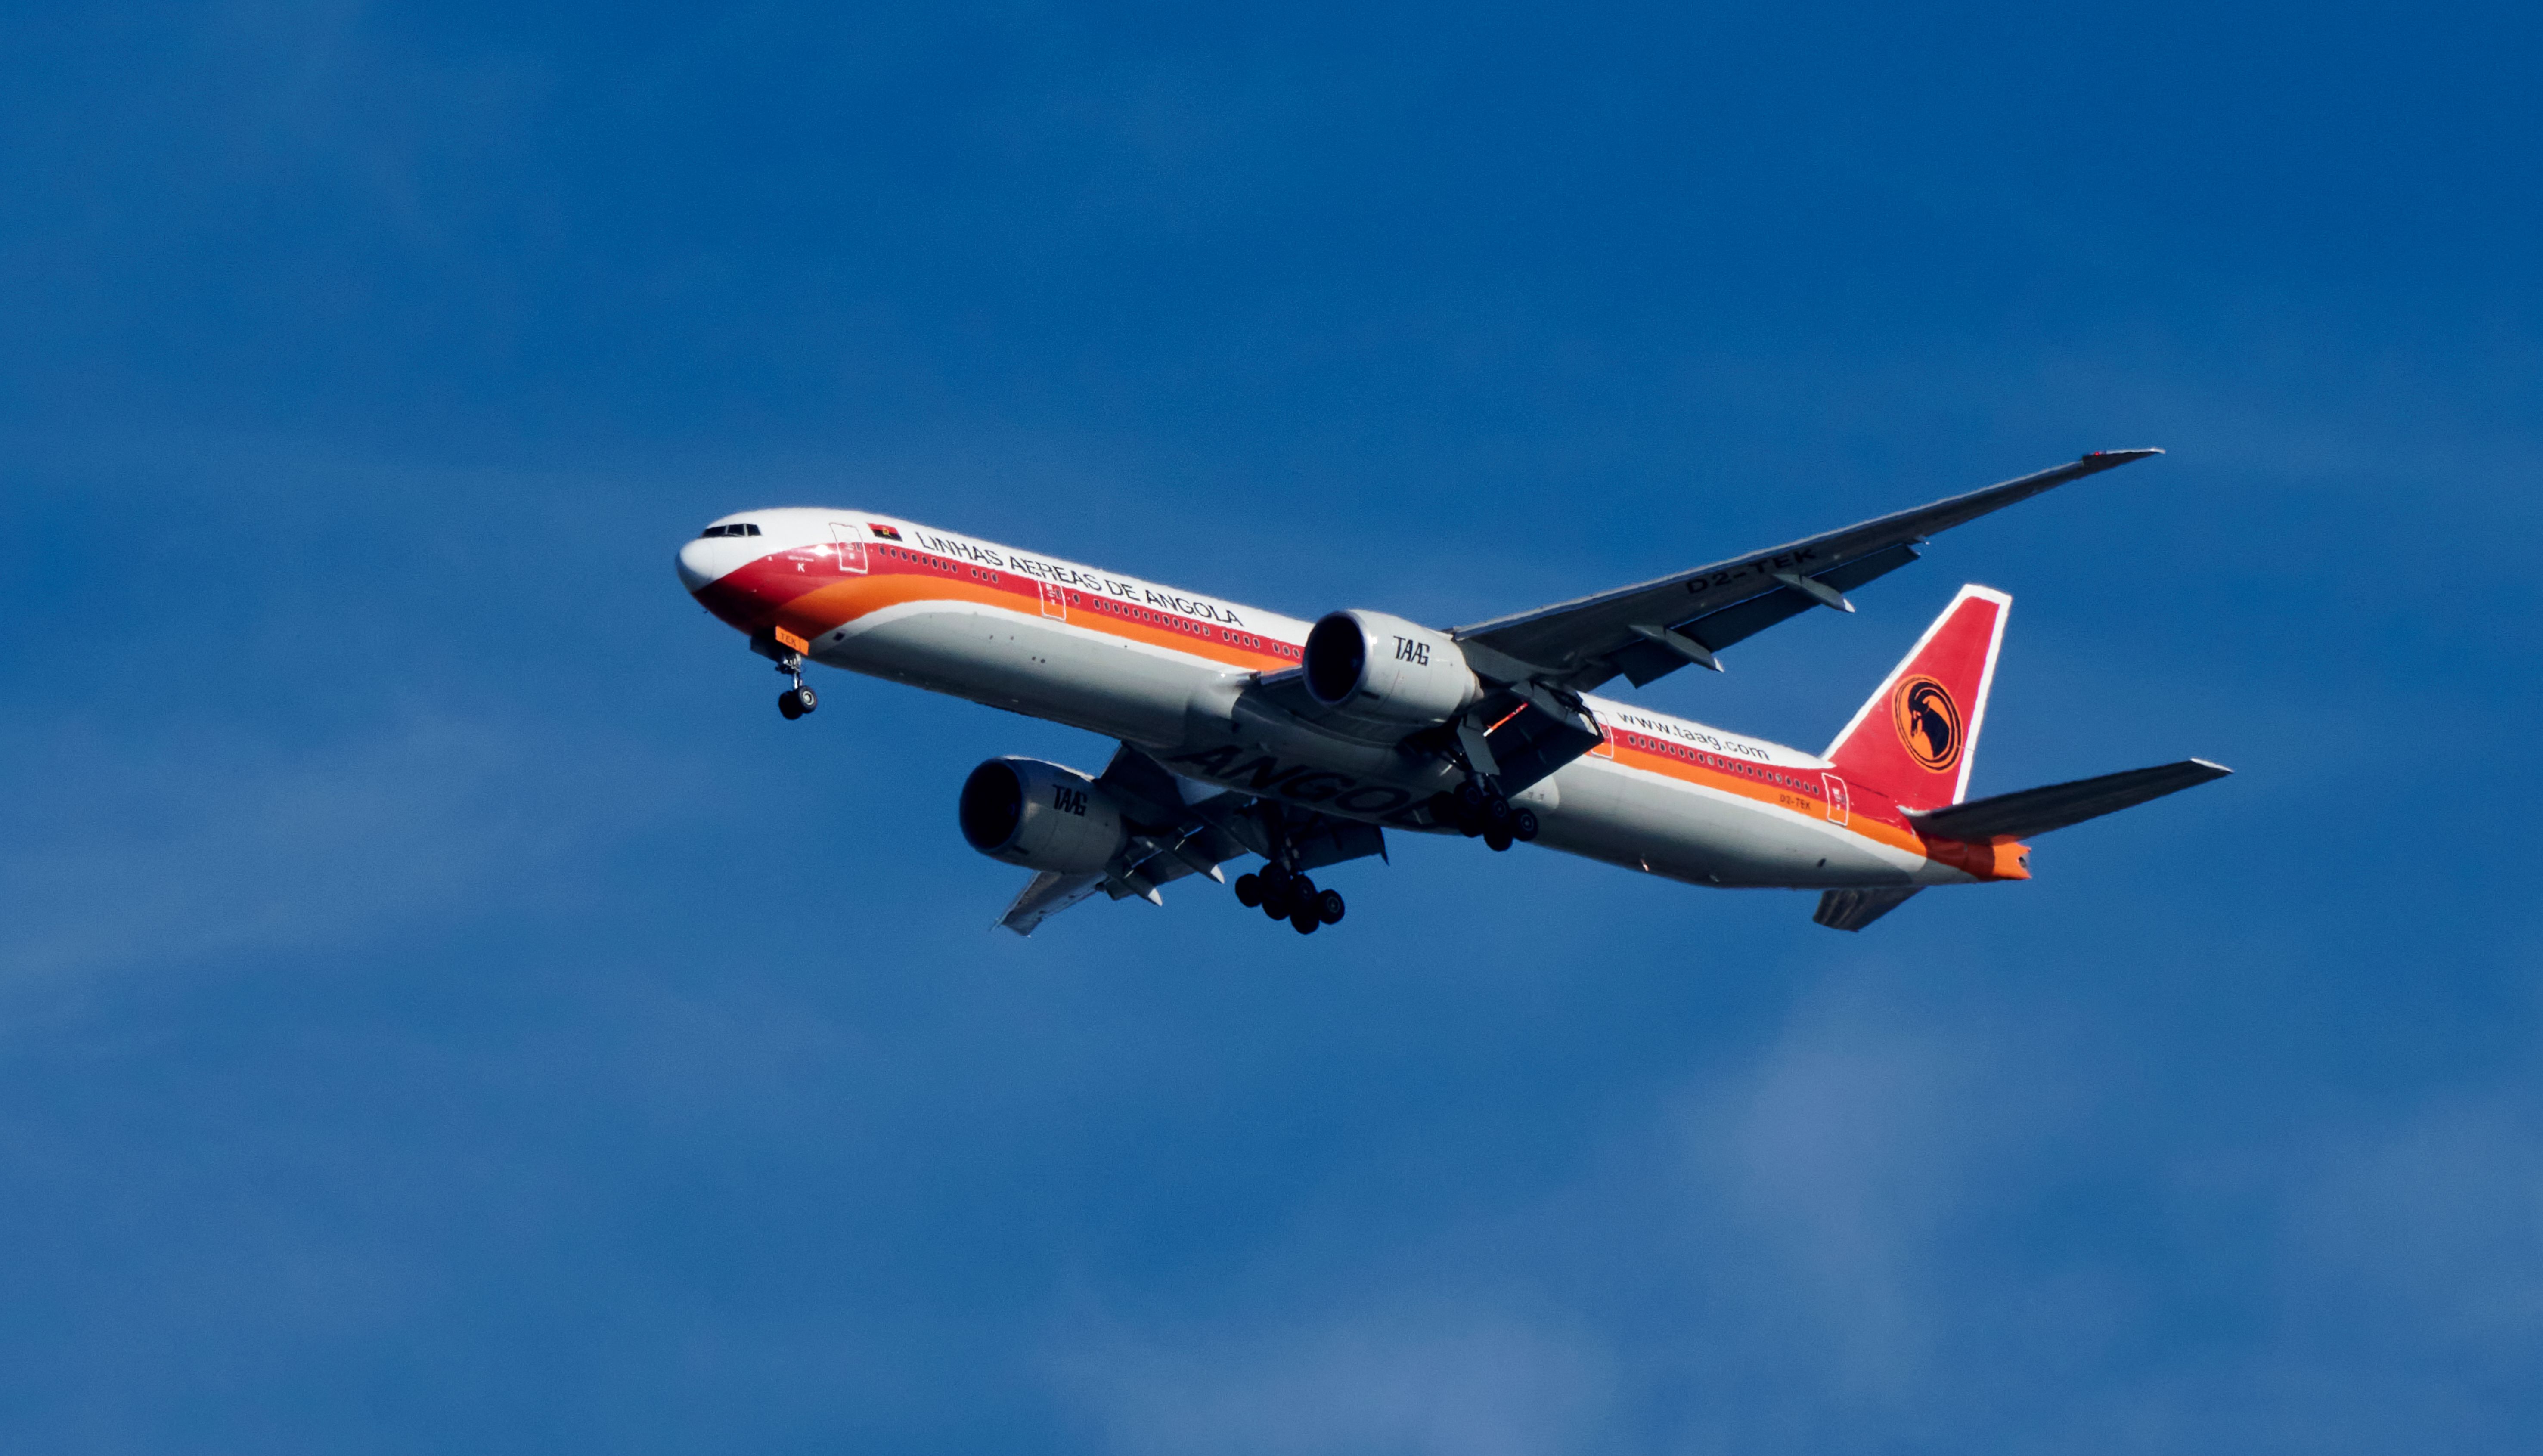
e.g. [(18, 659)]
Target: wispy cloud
[(1843, 1155), (2425, 1232), (1814, 1245), (153, 850), (1473, 1381), (1779, 1244)]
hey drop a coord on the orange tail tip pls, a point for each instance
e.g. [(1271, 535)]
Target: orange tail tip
[(1915, 738)]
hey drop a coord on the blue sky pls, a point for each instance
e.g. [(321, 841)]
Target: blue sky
[(443, 1007)]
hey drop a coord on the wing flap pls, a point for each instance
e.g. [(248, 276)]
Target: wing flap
[(1648, 662), (1531, 744), (1330, 841), (1047, 893)]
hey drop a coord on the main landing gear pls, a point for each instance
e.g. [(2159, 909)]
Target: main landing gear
[(1474, 809), (1280, 891), (798, 699), (1283, 895)]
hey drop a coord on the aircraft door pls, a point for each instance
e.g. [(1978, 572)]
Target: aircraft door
[(849, 548), (1838, 808)]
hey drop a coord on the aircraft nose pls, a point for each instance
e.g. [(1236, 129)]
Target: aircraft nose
[(702, 562)]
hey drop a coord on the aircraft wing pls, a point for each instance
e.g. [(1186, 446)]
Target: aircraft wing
[(1048, 893), (1653, 629), (1172, 838)]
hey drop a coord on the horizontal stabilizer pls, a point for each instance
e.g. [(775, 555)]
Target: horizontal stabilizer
[(2038, 811), (1853, 909)]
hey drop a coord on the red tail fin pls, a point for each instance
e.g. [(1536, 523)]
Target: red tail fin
[(1915, 738)]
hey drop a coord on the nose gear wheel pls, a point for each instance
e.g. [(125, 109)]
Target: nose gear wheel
[(798, 699)]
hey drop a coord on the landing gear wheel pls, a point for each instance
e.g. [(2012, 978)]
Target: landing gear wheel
[(797, 699), (1524, 824), (1304, 919), (1249, 891), (1329, 907), (1498, 838), (1496, 813), (1274, 887)]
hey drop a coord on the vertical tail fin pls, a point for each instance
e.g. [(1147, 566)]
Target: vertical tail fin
[(1914, 738)]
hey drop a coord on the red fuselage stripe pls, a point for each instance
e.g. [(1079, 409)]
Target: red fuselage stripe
[(806, 592)]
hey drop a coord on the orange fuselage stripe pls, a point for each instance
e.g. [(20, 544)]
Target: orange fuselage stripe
[(897, 575), (1803, 792)]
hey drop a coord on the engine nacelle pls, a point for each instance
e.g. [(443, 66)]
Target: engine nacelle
[(1373, 665), (1041, 815)]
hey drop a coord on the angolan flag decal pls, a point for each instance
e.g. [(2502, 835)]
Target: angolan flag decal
[(886, 532)]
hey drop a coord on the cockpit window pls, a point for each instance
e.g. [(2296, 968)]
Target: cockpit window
[(739, 528)]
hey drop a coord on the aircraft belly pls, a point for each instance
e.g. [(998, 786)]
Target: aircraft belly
[(1652, 823), (1038, 668), (1189, 713), (1331, 776), (1183, 711)]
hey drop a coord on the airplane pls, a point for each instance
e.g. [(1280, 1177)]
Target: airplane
[(1245, 732)]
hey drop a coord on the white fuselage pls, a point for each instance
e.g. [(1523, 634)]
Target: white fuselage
[(1173, 673)]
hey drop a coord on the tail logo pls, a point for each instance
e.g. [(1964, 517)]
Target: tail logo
[(1928, 722)]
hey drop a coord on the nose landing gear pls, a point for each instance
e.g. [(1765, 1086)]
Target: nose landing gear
[(798, 699), (786, 650)]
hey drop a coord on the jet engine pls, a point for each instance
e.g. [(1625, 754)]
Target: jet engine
[(1375, 667), (1041, 815)]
